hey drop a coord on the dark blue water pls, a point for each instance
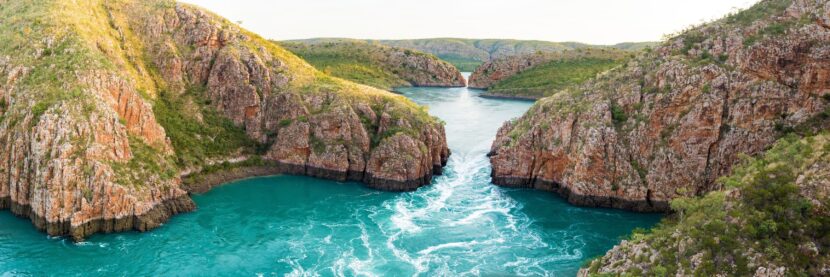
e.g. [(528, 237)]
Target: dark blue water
[(300, 226)]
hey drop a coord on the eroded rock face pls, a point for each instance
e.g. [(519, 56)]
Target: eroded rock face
[(491, 72), (83, 152), (318, 133), (674, 119), (429, 71), (409, 67), (737, 210)]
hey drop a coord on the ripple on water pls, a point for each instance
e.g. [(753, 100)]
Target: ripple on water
[(461, 225)]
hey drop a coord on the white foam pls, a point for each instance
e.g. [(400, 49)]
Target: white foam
[(403, 219), (480, 211), (467, 245), (460, 199)]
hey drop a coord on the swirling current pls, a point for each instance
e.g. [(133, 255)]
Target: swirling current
[(460, 225)]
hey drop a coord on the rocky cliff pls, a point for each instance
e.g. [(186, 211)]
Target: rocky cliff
[(671, 121), (104, 103), (771, 220), (540, 74), (490, 73), (377, 65)]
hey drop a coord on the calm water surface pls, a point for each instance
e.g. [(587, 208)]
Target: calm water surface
[(299, 226)]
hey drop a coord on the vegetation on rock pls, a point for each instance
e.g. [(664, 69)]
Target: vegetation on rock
[(672, 120), (377, 65), (543, 74), (105, 103), (772, 217), (469, 54)]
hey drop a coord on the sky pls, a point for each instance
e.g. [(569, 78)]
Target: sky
[(588, 21)]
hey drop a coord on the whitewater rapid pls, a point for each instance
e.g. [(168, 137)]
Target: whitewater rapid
[(460, 225)]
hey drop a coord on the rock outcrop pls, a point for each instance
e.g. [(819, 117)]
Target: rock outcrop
[(90, 143), (771, 221), (378, 65), (673, 120), (490, 73), (546, 72)]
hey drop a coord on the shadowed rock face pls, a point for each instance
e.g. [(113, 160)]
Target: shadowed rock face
[(83, 152), (674, 119)]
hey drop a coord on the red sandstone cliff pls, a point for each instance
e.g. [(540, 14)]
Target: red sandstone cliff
[(82, 148), (675, 119)]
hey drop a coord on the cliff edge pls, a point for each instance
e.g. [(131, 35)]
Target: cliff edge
[(671, 121), (105, 104)]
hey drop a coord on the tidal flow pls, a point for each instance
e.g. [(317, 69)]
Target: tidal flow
[(459, 225)]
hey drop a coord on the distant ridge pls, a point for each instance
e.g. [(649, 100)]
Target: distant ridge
[(467, 54)]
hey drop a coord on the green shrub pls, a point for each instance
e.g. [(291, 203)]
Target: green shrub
[(317, 145), (762, 10), (195, 140), (38, 110), (691, 40), (773, 30), (769, 216), (618, 115), (549, 78), (641, 171)]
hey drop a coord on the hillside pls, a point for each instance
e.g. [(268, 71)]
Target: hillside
[(772, 220), (468, 54), (379, 66), (105, 104), (660, 134), (533, 76), (671, 121)]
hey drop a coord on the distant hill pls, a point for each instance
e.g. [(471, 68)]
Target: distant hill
[(468, 54), (378, 65), (532, 76)]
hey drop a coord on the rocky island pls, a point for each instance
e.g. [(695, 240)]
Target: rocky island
[(105, 104)]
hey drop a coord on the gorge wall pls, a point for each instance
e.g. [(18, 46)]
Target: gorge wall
[(105, 103), (770, 220), (671, 121)]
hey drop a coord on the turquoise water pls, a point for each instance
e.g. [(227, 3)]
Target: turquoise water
[(299, 226)]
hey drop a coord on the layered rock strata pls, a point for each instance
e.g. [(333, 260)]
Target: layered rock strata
[(491, 72), (407, 67), (82, 83), (673, 120)]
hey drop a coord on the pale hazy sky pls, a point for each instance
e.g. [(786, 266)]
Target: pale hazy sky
[(590, 21)]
